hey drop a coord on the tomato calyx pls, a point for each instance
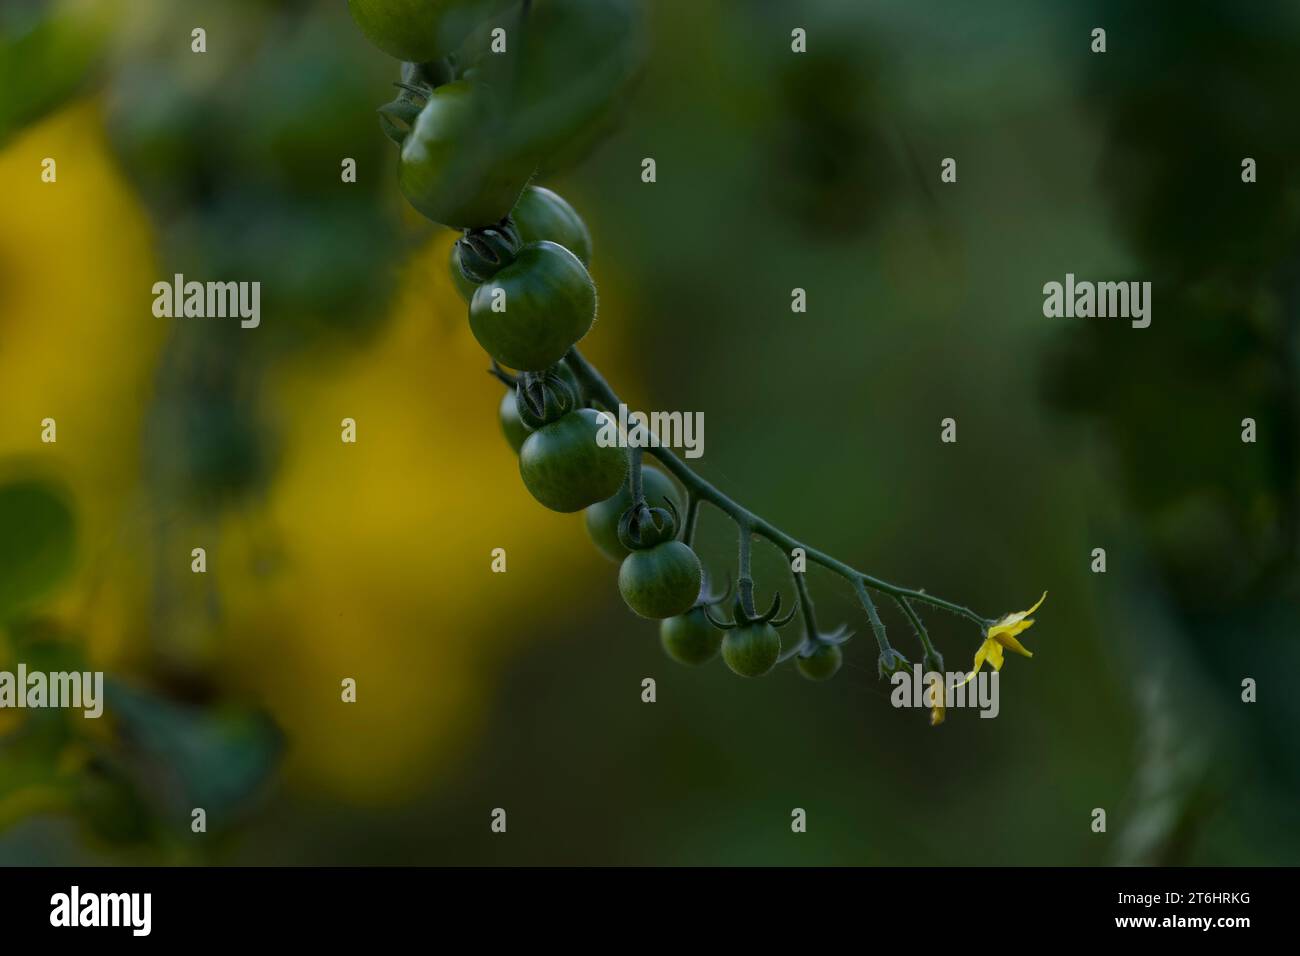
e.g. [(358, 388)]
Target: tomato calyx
[(417, 84), (808, 646), (708, 597), (642, 526), (891, 662), (741, 617), (544, 397), (482, 253), (397, 118)]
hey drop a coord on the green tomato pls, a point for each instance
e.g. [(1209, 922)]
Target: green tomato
[(562, 89), (690, 638), (541, 214), (602, 518), (751, 650), (450, 169), (822, 664), (566, 468), (662, 581), (419, 30), (512, 426), (547, 303)]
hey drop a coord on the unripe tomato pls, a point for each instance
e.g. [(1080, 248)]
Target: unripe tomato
[(541, 214), (566, 468), (821, 664), (690, 638), (751, 650), (512, 426), (547, 303), (602, 518), (662, 581), (451, 170), (419, 30), (560, 89)]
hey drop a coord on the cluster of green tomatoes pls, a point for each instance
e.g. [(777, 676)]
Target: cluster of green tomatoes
[(536, 263), (468, 155)]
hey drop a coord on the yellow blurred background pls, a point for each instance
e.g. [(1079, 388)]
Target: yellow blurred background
[(353, 543)]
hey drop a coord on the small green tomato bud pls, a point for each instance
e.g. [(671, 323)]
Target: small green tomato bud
[(891, 662)]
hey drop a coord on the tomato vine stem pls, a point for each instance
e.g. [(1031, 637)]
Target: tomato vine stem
[(699, 489), (806, 605), (745, 584)]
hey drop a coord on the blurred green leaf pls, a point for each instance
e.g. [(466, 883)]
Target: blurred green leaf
[(110, 803), (46, 52), (1172, 791), (29, 775), (37, 541), (214, 758)]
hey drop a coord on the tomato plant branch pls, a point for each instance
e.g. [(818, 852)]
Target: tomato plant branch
[(873, 616), (634, 476), (805, 604), (745, 584), (474, 148), (922, 635), (692, 516), (699, 489)]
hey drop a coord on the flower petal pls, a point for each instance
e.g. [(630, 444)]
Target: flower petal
[(937, 695), (995, 654), (998, 631), (980, 656), (1010, 643), (1014, 618)]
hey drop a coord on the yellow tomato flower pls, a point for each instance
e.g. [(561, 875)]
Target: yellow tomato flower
[(938, 696), (1002, 634)]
